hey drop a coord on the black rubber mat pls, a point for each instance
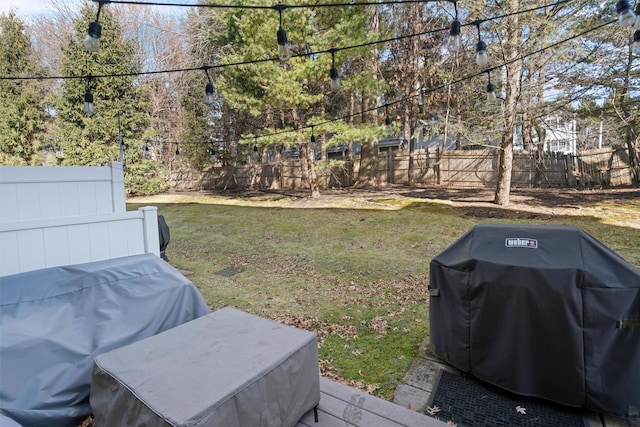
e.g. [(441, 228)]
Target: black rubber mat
[(466, 401)]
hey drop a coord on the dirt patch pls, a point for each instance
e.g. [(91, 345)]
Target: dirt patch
[(525, 203), (619, 206)]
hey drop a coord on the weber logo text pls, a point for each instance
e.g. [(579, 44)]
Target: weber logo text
[(519, 242)]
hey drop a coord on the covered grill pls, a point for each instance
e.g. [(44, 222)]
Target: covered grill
[(544, 311)]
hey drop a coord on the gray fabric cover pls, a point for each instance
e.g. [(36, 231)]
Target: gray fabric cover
[(56, 320), (227, 369), (557, 318)]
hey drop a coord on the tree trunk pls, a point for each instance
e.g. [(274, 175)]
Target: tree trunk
[(630, 139), (514, 73), (306, 161), (368, 171), (277, 169)]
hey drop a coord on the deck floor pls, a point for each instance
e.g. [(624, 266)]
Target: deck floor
[(343, 406)]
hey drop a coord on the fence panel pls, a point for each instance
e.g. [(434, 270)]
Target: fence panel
[(462, 168), (606, 166)]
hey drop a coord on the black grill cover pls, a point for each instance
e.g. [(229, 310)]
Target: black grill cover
[(544, 311)]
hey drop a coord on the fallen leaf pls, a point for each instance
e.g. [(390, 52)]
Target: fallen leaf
[(432, 410), (521, 410)]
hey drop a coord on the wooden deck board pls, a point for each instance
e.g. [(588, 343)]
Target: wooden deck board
[(345, 406)]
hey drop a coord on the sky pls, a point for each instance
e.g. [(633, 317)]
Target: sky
[(29, 8), (37, 8)]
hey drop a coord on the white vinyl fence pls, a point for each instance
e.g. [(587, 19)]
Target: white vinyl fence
[(54, 216)]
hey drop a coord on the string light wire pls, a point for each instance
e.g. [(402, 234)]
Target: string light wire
[(444, 85), (275, 58), (330, 51)]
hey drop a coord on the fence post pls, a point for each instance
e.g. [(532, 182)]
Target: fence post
[(571, 179), (150, 229), (117, 187), (437, 166)]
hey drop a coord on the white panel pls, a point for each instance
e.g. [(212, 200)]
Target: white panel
[(50, 200), (54, 173), (117, 187), (99, 241), (28, 196), (31, 250), (87, 197), (118, 239), (150, 229), (135, 237), (78, 244), (103, 197), (8, 203), (9, 261), (69, 199), (56, 246)]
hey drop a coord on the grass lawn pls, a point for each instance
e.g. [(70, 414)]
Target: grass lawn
[(352, 268)]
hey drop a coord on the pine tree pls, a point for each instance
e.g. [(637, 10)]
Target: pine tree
[(21, 112), (274, 96), (118, 99)]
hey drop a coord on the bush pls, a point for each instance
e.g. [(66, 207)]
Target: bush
[(145, 178)]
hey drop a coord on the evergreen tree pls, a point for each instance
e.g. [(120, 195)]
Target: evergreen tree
[(118, 99), (275, 96), (21, 112)]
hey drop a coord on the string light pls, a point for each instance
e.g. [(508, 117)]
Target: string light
[(454, 29), (177, 149), (208, 91), (88, 107), (313, 137), (424, 92), (91, 41), (284, 50), (454, 42), (481, 50), (387, 120), (333, 73), (636, 43), (626, 16), (491, 93), (268, 59)]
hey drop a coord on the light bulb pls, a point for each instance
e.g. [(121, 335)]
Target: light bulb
[(481, 54), (335, 80), (626, 16), (491, 94), (454, 42), (284, 51), (208, 94), (88, 107), (91, 41)]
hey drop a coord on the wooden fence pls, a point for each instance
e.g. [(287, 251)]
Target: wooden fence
[(603, 167), (463, 168)]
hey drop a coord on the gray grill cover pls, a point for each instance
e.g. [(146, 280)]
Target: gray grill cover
[(545, 311), (56, 320), (227, 369)]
